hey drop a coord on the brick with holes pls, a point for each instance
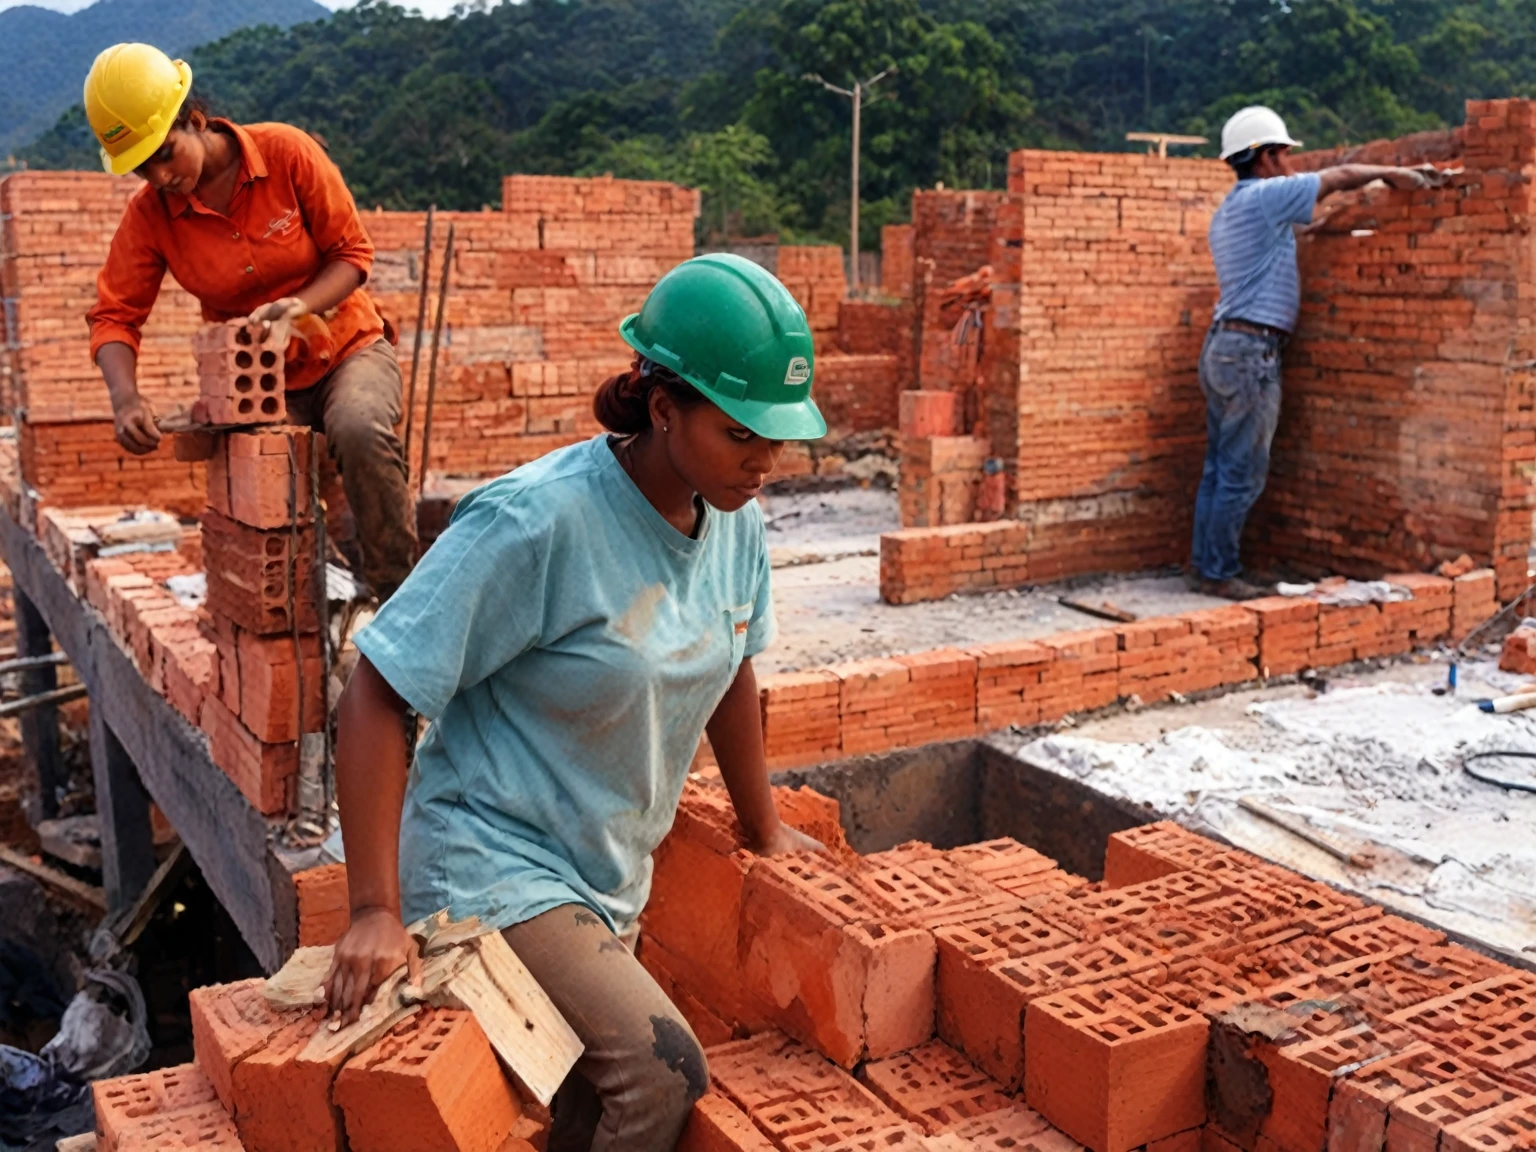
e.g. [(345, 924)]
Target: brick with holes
[(837, 967), (240, 380), (934, 1087), (1114, 1065), (1508, 1128), (717, 1125), (1357, 1112), (261, 478), (1416, 1123), (278, 694), (229, 1022), (432, 1084), (127, 1102), (255, 575), (283, 1093), (796, 1097)]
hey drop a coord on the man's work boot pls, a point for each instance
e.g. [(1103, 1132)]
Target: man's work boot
[(1235, 588)]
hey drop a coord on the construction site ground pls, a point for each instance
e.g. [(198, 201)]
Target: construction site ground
[(826, 585)]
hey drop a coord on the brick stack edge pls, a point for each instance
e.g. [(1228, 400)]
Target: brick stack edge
[(1197, 999)]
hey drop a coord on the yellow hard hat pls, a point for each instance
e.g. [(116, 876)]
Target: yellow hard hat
[(132, 96)]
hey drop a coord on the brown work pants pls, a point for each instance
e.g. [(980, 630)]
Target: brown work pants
[(357, 405), (635, 1084)]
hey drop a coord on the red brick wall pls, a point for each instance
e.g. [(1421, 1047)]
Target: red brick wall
[(951, 232), (1406, 433), (1104, 290), (896, 253), (530, 328)]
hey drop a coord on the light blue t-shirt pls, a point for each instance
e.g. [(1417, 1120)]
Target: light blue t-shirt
[(569, 645), (1253, 244)]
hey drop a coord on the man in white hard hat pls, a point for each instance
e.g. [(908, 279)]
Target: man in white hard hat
[(1253, 244)]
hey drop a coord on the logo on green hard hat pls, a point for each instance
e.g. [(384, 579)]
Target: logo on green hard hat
[(729, 328)]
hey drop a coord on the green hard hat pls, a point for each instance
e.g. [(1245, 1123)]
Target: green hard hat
[(729, 328)]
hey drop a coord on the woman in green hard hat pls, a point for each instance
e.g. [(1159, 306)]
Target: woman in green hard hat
[(578, 627)]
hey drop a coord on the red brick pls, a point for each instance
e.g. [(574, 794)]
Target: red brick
[(717, 1125), (934, 1087), (1115, 1066), (127, 1102), (835, 970), (283, 1093), (432, 1085), (229, 1022), (324, 911), (270, 686), (266, 774), (262, 478)]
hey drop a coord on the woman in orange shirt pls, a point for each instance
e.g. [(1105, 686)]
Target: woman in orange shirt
[(255, 221)]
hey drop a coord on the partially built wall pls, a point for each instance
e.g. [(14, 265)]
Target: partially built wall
[(1406, 431), (536, 292), (1406, 435)]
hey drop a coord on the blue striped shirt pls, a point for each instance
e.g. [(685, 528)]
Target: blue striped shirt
[(1253, 243)]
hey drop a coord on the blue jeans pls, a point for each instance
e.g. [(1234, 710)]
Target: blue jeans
[(1240, 376)]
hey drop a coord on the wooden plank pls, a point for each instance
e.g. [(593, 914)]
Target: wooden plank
[(122, 808), (40, 727), (225, 835), (528, 1032), (78, 890)]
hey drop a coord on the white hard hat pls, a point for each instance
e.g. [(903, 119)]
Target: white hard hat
[(1253, 127)]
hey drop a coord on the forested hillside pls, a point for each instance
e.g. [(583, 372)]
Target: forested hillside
[(44, 55), (716, 92)]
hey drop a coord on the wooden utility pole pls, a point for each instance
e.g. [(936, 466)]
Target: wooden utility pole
[(855, 94)]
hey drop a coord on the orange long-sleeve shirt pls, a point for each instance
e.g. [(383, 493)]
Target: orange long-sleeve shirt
[(291, 214)]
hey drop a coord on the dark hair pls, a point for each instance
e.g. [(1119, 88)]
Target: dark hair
[(1246, 161), (623, 402), (190, 105)]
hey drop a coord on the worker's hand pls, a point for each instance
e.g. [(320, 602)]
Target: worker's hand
[(274, 322), (1413, 179), (787, 839), (375, 946), (133, 421)]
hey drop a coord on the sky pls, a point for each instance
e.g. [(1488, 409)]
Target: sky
[(427, 7)]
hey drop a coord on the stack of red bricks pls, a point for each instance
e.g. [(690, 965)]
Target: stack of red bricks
[(261, 615), (983, 998), (908, 700), (1408, 384), (815, 276), (1519, 654), (270, 1081), (532, 319)]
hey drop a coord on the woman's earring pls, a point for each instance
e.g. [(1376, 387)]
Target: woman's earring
[(666, 427)]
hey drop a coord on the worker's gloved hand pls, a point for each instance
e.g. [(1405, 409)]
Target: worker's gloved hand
[(274, 322), (133, 422), (788, 839), (375, 946)]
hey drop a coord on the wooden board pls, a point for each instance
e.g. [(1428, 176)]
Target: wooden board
[(225, 835)]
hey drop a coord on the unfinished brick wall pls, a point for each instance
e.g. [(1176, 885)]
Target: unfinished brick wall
[(530, 328), (1104, 291), (1406, 430), (951, 231)]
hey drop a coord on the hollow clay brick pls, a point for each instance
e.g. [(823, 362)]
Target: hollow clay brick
[(1115, 1066), (252, 575), (266, 774), (1508, 1128), (127, 1102), (432, 1085), (261, 478), (283, 1095), (1416, 1122), (1132, 856), (717, 1125), (1357, 1112), (934, 1087), (240, 381), (694, 911), (796, 1097), (837, 971), (324, 910), (204, 1128), (229, 1022), (273, 701)]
